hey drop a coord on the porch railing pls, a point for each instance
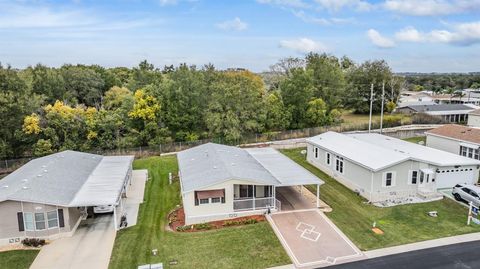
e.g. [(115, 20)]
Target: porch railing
[(255, 203)]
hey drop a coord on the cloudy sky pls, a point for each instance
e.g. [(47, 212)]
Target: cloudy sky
[(412, 35)]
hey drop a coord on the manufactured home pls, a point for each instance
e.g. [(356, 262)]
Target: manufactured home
[(223, 182), (382, 168)]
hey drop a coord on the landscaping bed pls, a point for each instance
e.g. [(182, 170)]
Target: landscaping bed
[(176, 220)]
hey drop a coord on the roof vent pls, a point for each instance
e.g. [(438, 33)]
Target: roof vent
[(24, 180), (39, 175), (193, 159), (5, 186), (45, 171), (44, 166), (25, 187), (233, 164), (214, 167)]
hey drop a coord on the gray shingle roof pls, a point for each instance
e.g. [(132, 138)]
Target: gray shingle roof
[(210, 164), (53, 179), (57, 179), (441, 107)]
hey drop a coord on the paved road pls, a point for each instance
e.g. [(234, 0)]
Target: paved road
[(463, 255)]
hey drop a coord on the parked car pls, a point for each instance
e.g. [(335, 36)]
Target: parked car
[(467, 192), (103, 209)]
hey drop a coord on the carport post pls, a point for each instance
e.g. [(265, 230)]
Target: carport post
[(115, 217), (318, 195)]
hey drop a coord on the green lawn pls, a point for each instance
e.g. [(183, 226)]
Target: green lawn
[(17, 259), (401, 224), (417, 139), (251, 246)]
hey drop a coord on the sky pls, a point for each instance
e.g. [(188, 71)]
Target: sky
[(411, 35)]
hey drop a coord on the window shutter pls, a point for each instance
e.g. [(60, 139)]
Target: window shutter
[(61, 220), (21, 225), (196, 198), (223, 200)]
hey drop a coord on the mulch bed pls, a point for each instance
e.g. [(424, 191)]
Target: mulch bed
[(176, 219)]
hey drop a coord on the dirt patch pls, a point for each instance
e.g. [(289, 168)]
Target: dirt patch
[(176, 220)]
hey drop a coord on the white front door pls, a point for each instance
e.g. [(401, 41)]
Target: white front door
[(426, 181)]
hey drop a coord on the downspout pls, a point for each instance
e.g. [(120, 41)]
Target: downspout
[(371, 186)]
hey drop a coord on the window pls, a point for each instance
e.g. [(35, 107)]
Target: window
[(28, 220), (327, 158), (388, 179), (339, 164), (52, 219), (470, 152), (204, 201), (40, 221), (215, 200), (414, 176), (316, 152)]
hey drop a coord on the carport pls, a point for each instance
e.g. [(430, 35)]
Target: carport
[(107, 185), (289, 174)]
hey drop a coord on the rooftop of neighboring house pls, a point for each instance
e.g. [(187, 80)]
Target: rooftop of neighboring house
[(375, 151), (67, 178), (457, 132), (442, 107)]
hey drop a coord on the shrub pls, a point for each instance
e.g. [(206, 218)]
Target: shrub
[(392, 120), (203, 226), (249, 221), (33, 242), (422, 118), (183, 228)]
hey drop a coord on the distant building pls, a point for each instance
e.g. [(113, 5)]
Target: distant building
[(457, 139), (474, 118), (447, 112)]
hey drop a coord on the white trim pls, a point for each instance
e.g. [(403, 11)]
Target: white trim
[(384, 179)]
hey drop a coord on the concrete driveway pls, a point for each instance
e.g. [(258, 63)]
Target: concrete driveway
[(312, 240), (89, 248)]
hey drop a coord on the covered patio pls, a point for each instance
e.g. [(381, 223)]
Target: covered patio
[(289, 193)]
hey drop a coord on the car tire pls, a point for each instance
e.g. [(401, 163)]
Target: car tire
[(457, 197)]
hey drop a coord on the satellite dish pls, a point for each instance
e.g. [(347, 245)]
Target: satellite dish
[(303, 152)]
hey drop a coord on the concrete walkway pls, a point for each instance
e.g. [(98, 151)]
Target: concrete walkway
[(423, 245), (90, 247), (135, 193)]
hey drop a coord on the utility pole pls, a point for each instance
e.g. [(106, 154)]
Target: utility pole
[(381, 111), (371, 107)]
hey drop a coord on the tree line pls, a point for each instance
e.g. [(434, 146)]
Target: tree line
[(442, 82), (83, 107)]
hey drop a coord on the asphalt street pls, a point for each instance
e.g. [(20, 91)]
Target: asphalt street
[(463, 255)]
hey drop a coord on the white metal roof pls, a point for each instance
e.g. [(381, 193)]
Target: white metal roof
[(415, 151), (360, 152), (210, 164), (104, 185), (283, 168), (375, 151)]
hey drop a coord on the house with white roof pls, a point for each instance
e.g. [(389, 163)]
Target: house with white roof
[(386, 169), (223, 182), (48, 197)]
